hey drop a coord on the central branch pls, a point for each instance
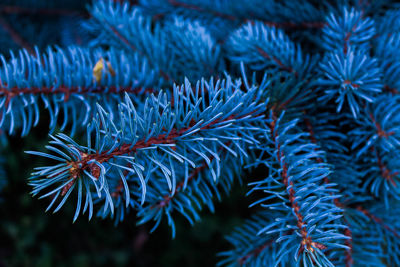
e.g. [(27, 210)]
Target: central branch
[(306, 240), (127, 149)]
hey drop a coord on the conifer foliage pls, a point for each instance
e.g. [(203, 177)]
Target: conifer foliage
[(157, 107)]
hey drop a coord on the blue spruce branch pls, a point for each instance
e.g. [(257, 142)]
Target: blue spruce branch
[(160, 137), (71, 80)]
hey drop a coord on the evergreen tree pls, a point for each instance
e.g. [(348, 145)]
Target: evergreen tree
[(158, 107)]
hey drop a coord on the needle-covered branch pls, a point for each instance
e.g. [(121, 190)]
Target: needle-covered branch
[(69, 83), (161, 136)]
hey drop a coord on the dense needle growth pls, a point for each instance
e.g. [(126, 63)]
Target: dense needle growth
[(157, 107)]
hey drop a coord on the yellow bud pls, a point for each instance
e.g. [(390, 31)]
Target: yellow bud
[(98, 69)]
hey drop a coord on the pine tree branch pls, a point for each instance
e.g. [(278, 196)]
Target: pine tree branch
[(378, 220), (277, 61), (79, 166), (347, 232), (241, 20), (10, 93), (132, 143), (78, 86), (306, 241)]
